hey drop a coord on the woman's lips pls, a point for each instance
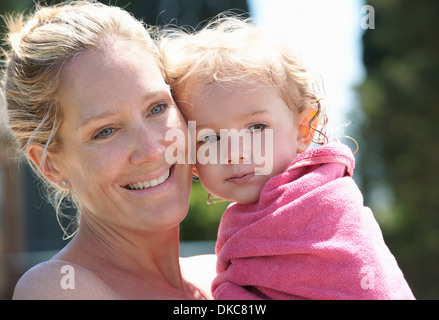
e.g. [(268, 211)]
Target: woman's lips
[(242, 178), (151, 184)]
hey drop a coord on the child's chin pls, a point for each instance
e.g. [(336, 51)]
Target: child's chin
[(248, 199)]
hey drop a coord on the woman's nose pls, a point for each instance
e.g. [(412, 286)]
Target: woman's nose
[(147, 147)]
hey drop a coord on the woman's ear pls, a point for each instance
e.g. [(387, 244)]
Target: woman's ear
[(305, 132), (43, 160)]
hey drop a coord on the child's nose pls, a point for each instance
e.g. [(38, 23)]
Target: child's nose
[(238, 158), (239, 154)]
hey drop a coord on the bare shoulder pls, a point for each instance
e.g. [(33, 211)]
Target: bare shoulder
[(200, 270), (61, 280)]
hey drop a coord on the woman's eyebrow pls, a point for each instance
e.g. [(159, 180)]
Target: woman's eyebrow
[(99, 116), (113, 111)]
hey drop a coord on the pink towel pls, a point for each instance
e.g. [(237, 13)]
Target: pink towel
[(308, 237)]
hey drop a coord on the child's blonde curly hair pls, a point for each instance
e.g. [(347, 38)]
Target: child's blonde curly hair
[(229, 49)]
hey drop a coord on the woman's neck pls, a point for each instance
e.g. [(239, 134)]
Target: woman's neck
[(151, 258)]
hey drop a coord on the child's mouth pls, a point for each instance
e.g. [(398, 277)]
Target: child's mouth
[(241, 178)]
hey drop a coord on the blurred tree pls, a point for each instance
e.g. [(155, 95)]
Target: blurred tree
[(397, 134), (14, 5), (180, 12)]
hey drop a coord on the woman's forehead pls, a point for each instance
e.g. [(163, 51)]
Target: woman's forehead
[(96, 80)]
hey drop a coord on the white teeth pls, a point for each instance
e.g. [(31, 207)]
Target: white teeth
[(153, 182), (146, 184), (162, 179), (150, 183)]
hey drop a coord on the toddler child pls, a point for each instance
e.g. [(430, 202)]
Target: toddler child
[(297, 229)]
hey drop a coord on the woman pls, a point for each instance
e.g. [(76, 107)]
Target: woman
[(89, 108)]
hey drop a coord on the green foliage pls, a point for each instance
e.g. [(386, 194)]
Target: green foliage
[(398, 148), (202, 220)]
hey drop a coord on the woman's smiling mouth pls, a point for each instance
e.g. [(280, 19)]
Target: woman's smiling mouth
[(149, 183)]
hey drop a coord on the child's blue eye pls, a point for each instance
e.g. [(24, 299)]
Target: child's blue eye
[(210, 139), (257, 127)]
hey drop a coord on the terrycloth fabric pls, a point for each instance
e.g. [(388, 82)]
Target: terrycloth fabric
[(308, 237)]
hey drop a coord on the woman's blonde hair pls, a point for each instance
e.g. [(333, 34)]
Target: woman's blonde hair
[(229, 49), (40, 45)]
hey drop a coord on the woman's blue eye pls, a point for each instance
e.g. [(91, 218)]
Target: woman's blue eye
[(257, 127), (104, 133), (157, 109)]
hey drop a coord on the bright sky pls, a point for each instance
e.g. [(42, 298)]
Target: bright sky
[(327, 34)]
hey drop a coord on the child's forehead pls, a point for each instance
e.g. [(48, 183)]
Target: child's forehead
[(239, 84), (193, 95), (242, 97)]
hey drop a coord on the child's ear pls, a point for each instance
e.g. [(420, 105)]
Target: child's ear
[(305, 132), (194, 171), (43, 160)]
